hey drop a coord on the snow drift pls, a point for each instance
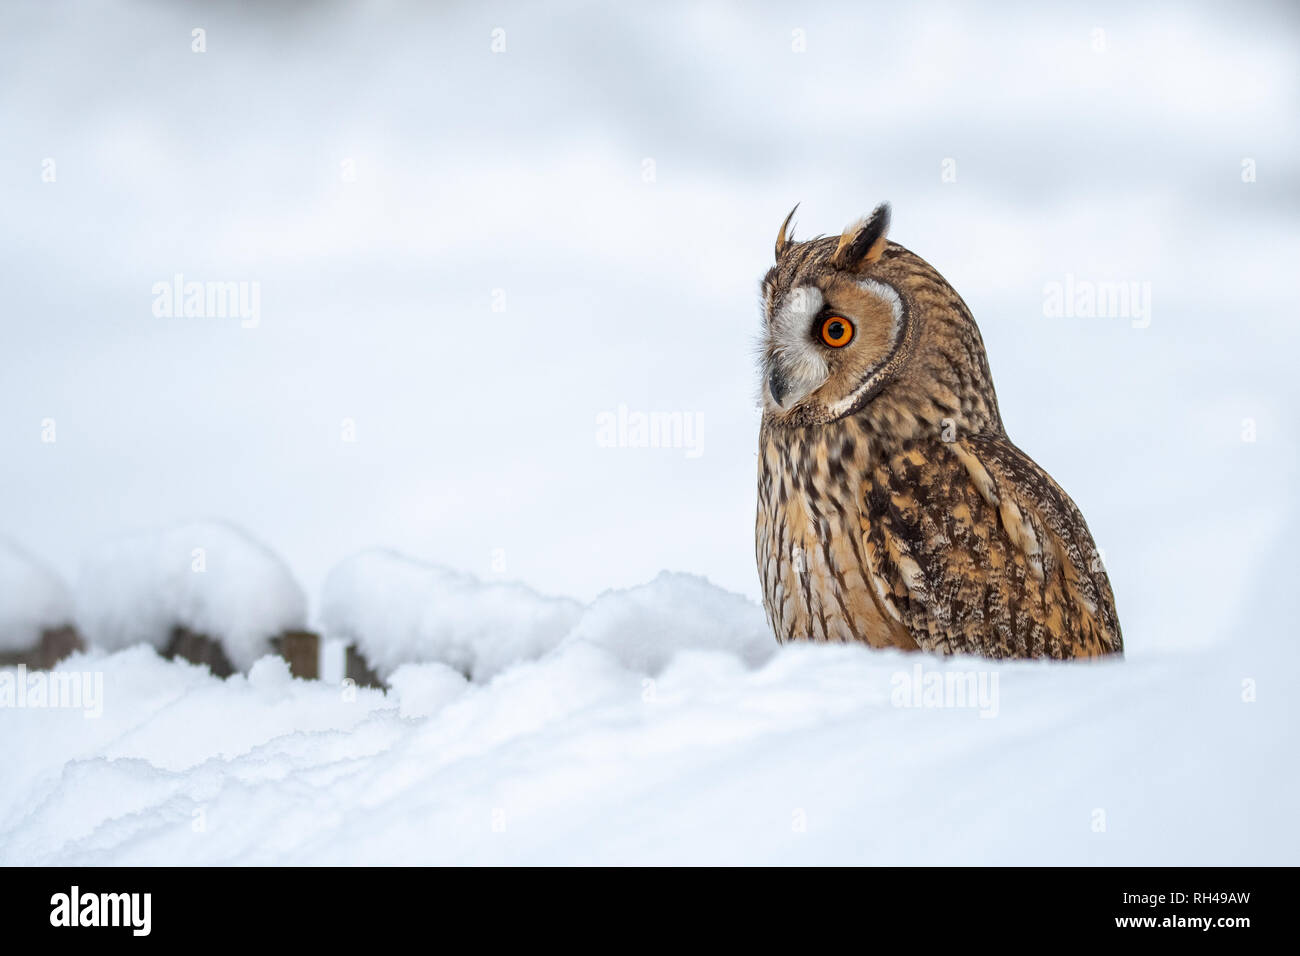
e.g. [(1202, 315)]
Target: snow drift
[(820, 755)]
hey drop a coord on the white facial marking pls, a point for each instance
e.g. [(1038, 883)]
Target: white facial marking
[(801, 362)]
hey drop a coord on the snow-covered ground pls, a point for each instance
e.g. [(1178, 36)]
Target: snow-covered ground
[(609, 749)]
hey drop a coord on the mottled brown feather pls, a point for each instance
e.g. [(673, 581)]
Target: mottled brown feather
[(983, 553)]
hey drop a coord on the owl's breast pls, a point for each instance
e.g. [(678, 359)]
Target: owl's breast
[(810, 544)]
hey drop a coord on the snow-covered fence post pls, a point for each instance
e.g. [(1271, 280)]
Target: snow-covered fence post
[(206, 593)]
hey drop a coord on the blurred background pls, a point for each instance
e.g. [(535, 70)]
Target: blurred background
[(476, 229)]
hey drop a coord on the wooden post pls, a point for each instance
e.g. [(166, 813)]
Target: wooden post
[(54, 645), (199, 649), (358, 669), (302, 650)]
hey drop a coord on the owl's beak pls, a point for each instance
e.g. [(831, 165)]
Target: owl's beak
[(777, 386), (792, 374)]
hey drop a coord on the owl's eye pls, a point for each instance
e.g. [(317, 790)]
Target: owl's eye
[(837, 331)]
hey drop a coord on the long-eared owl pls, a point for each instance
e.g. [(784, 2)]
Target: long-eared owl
[(892, 507)]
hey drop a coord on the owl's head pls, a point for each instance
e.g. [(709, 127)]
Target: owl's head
[(855, 322)]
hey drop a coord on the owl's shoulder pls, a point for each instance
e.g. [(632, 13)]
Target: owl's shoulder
[(977, 550)]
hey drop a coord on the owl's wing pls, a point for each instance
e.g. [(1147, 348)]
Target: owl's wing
[(976, 550)]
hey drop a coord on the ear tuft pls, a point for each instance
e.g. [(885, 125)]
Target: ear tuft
[(782, 239), (863, 242)]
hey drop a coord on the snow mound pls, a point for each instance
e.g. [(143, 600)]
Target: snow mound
[(397, 611), (210, 578), (32, 599), (424, 689), (644, 627)]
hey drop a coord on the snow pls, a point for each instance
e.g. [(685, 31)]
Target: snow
[(208, 577), (33, 598), (644, 626), (599, 749), (397, 610)]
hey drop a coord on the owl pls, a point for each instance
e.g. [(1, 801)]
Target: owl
[(893, 510)]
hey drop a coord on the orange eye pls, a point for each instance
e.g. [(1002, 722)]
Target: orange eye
[(837, 332)]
